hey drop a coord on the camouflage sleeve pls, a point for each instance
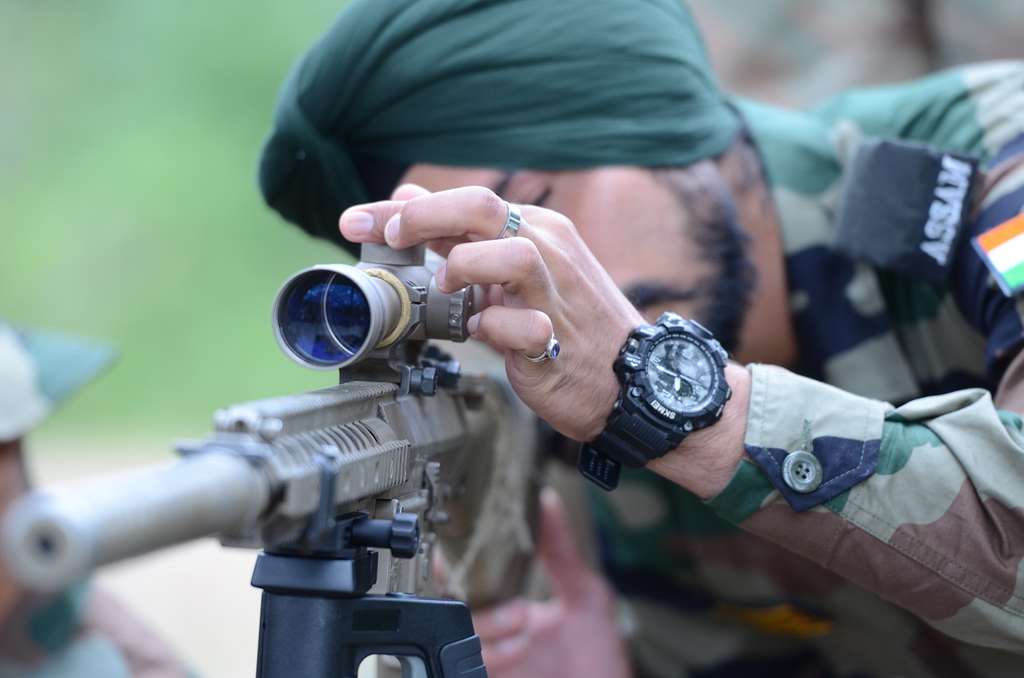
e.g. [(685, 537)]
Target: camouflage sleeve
[(921, 504)]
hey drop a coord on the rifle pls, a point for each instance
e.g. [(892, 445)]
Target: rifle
[(335, 485)]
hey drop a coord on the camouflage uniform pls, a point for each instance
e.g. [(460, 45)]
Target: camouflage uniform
[(906, 560), (79, 632), (795, 52)]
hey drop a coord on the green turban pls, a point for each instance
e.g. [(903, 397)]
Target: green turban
[(509, 84)]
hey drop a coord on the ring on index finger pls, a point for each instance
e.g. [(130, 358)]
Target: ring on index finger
[(512, 222)]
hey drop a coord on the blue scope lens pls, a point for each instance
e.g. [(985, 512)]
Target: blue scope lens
[(324, 318)]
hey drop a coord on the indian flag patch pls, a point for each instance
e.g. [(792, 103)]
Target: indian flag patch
[(1002, 250)]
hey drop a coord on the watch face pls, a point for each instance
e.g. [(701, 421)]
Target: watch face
[(681, 375)]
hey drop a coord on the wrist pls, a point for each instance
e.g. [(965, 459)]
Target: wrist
[(706, 460), (605, 396), (606, 385)]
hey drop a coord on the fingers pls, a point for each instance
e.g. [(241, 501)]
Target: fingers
[(502, 620), (512, 329), (503, 633), (513, 263), (470, 212), (506, 654), (567, 571), (467, 213), (366, 223), (518, 631)]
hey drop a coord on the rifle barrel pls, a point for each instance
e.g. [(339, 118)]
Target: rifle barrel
[(50, 539)]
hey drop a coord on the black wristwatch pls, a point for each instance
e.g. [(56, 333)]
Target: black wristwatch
[(672, 377)]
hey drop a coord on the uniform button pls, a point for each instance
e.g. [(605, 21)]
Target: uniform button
[(802, 472)]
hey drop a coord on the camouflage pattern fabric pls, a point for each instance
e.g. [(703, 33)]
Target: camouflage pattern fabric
[(796, 52), (907, 559)]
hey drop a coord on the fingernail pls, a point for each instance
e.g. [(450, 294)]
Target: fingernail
[(358, 223), (473, 323), (440, 276), (391, 229)]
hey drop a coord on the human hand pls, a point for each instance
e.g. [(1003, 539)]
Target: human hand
[(572, 634), (543, 281)]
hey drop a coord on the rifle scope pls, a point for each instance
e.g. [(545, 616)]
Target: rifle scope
[(332, 316)]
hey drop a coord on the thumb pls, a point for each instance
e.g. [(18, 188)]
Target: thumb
[(564, 564)]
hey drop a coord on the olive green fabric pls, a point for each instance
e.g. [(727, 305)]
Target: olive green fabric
[(489, 83)]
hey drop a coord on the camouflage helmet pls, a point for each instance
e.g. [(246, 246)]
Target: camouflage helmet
[(38, 371)]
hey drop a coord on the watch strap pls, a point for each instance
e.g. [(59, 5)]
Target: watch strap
[(598, 467), (627, 440)]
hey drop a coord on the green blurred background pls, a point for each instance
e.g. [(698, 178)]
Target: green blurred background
[(129, 137)]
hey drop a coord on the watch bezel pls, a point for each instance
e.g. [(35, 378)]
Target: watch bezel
[(638, 392)]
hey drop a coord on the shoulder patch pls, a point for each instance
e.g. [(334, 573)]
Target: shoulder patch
[(903, 205)]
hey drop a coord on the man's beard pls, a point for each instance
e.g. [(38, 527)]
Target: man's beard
[(725, 295)]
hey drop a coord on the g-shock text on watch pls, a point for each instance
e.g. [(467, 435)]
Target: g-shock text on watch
[(672, 377)]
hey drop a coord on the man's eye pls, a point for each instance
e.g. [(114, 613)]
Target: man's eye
[(522, 190), (542, 198)]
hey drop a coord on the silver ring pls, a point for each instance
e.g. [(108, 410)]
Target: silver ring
[(550, 353), (512, 223)]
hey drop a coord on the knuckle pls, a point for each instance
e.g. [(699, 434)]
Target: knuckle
[(562, 259), (492, 207), (523, 256), (561, 224)]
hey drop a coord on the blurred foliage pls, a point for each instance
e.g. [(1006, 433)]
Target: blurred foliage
[(129, 136)]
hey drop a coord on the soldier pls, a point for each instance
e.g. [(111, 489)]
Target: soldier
[(855, 506), (81, 631)]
